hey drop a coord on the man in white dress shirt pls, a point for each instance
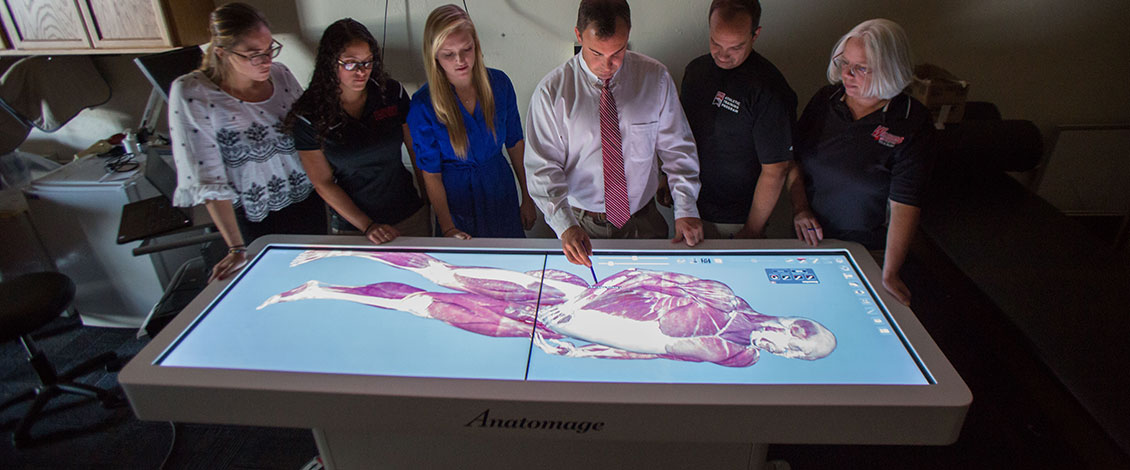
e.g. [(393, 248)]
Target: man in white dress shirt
[(595, 127)]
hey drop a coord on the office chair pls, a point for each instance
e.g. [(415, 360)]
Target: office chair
[(30, 302)]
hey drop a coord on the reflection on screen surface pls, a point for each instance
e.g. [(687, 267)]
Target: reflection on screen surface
[(727, 317)]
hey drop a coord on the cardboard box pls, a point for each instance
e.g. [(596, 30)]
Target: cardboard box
[(942, 92)]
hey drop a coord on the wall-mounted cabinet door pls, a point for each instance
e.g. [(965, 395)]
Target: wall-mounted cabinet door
[(45, 24), (125, 23)]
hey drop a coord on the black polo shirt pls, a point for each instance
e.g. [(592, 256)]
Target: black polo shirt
[(365, 156), (741, 118), (851, 168)]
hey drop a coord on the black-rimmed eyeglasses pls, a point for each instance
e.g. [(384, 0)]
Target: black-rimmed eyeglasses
[(353, 65), (262, 57)]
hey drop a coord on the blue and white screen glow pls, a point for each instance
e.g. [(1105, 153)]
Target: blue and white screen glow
[(321, 335)]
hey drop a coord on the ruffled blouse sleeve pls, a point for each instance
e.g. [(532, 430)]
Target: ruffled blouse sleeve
[(201, 175)]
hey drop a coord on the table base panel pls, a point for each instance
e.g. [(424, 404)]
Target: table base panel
[(349, 450)]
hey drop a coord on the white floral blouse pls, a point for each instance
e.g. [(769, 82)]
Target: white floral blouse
[(229, 149)]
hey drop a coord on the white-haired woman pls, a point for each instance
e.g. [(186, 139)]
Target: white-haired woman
[(862, 149), (460, 121)]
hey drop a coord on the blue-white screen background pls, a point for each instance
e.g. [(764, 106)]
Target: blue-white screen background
[(337, 336)]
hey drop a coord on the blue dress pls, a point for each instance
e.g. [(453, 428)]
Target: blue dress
[(481, 193)]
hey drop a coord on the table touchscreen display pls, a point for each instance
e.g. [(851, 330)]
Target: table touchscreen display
[(723, 317)]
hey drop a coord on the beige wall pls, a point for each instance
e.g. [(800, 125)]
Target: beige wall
[(1053, 62)]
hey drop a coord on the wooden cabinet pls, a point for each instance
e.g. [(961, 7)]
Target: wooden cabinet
[(45, 24), (104, 25)]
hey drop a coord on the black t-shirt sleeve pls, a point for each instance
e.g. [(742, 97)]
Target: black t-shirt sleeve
[(773, 128), (910, 168), (305, 137)]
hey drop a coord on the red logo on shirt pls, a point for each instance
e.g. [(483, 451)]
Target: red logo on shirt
[(718, 99), (886, 138), (384, 113)]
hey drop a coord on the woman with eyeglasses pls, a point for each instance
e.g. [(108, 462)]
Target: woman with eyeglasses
[(349, 127), (231, 151), (460, 121), (862, 151)]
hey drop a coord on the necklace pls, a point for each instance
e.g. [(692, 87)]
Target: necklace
[(469, 100)]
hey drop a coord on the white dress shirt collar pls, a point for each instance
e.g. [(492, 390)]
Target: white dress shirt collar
[(595, 80)]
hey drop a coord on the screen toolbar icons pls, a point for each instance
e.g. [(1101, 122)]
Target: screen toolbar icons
[(791, 276)]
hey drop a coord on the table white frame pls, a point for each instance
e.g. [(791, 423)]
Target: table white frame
[(402, 422)]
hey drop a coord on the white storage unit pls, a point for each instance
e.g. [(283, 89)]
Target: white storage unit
[(76, 211)]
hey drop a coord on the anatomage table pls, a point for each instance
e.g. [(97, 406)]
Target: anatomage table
[(428, 353)]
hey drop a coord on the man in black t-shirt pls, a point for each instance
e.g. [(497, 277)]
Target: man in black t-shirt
[(741, 111)]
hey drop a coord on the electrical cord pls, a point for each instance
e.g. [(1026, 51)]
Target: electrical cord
[(465, 8), (384, 34), (121, 163), (172, 442)]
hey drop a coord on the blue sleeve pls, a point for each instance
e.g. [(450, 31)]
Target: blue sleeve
[(422, 125), (507, 103)]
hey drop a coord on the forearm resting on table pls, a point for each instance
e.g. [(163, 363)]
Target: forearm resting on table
[(343, 205), (765, 196), (223, 215), (433, 183), (900, 232), (794, 184), (518, 162), (412, 160)]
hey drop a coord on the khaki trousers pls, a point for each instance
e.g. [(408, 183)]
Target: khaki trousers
[(645, 223)]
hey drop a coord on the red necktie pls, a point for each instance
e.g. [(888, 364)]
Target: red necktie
[(615, 185)]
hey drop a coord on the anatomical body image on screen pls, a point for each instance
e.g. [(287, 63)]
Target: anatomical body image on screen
[(723, 318), (633, 314)]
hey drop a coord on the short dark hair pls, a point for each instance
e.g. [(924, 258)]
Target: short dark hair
[(604, 13), (728, 9)]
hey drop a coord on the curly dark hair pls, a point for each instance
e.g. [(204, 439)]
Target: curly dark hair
[(321, 102)]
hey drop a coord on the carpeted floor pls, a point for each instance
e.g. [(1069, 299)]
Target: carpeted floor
[(1020, 418), (78, 433)]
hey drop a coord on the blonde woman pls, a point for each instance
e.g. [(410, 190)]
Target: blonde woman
[(460, 121), (231, 151)]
